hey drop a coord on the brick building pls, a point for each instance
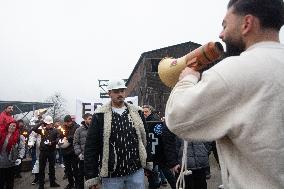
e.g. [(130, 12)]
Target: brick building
[(144, 80)]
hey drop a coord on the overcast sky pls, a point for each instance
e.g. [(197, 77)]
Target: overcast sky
[(66, 46)]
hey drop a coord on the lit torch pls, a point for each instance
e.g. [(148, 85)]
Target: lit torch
[(25, 133), (42, 131), (61, 129)]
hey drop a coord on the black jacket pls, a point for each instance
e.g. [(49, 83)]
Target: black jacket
[(197, 154), (169, 155), (164, 148), (94, 146), (49, 134), (153, 117), (166, 153), (53, 136), (69, 134)]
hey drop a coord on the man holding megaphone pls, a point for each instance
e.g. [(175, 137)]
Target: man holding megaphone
[(240, 101)]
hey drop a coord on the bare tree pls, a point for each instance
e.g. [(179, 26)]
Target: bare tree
[(59, 109)]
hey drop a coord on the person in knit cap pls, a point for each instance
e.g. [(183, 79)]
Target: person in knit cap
[(70, 159)]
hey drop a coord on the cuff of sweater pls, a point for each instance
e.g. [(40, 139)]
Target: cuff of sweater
[(92, 182)]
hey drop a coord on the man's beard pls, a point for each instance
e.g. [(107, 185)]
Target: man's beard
[(234, 49), (120, 100)]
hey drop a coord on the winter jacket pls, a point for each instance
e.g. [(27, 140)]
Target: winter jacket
[(47, 134), (17, 152), (53, 136), (97, 144), (5, 119), (197, 154), (153, 117), (163, 144), (80, 139), (169, 155), (69, 134), (166, 152)]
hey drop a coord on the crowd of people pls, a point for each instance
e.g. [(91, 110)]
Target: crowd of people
[(125, 142), (43, 141), (238, 103)]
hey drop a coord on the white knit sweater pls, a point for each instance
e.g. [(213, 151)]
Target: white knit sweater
[(240, 103)]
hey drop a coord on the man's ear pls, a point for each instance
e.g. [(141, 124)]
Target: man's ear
[(248, 24)]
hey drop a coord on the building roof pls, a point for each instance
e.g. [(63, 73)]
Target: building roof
[(21, 107)]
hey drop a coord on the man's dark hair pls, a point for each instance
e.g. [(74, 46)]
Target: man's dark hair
[(7, 105), (85, 116), (20, 121), (151, 108), (269, 12)]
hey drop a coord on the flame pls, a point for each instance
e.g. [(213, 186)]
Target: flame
[(42, 131), (61, 129), (25, 133)]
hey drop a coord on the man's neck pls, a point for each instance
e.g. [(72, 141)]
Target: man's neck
[(263, 35), (117, 105)]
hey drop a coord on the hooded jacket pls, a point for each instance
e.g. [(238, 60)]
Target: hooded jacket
[(80, 139)]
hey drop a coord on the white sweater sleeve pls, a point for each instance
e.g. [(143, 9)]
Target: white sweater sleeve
[(201, 110)]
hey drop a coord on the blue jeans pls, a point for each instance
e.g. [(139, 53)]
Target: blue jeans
[(33, 155), (134, 181), (60, 156)]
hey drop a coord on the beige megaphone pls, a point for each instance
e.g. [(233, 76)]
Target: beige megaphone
[(169, 69)]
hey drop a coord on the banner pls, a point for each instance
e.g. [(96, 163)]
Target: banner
[(84, 106)]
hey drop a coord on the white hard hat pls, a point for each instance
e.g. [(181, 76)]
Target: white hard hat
[(116, 84), (48, 119)]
